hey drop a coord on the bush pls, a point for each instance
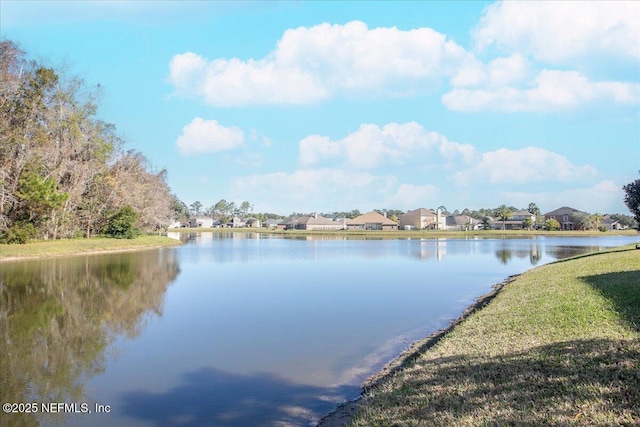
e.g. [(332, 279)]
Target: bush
[(551, 225), (602, 228), (19, 233), (121, 225)]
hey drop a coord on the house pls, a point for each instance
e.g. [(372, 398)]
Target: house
[(312, 222), (371, 221), (612, 224), (252, 222), (271, 223), (515, 221), (461, 222), (420, 219), (564, 216), (236, 222), (201, 222)]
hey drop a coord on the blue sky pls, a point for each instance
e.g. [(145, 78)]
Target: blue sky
[(332, 106)]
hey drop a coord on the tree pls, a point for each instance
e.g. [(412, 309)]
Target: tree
[(551, 225), (503, 213), (245, 208), (179, 209), (583, 220), (596, 218), (486, 223), (527, 223), (62, 170), (632, 200), (196, 208), (121, 224), (535, 210)]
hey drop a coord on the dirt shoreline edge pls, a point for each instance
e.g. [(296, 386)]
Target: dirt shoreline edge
[(341, 416)]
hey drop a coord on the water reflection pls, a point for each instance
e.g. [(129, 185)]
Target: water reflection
[(248, 400), (245, 246), (57, 318), (257, 330)]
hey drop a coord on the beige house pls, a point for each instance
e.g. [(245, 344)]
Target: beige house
[(461, 222), (371, 221), (315, 222), (420, 219)]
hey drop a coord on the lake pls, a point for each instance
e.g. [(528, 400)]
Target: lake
[(239, 329)]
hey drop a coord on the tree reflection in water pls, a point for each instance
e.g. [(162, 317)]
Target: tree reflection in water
[(58, 316)]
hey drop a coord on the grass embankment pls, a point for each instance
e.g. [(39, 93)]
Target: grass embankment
[(560, 345), (65, 247)]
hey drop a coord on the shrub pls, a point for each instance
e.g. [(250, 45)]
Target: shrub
[(19, 233), (551, 225), (121, 224)]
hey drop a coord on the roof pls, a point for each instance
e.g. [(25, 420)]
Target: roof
[(371, 218), (565, 210), (521, 212), (421, 212), (312, 220), (461, 220)]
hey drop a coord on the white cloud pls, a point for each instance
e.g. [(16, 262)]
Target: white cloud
[(500, 72), (552, 90), (316, 148), (313, 63), (563, 31), (524, 166), (602, 197), (208, 136), (320, 189), (372, 146), (330, 189), (410, 196)]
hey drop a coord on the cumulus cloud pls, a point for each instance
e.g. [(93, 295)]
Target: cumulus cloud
[(546, 43), (524, 166), (411, 196), (559, 32), (603, 197), (552, 90), (313, 63), (329, 189), (208, 136), (317, 189), (372, 146)]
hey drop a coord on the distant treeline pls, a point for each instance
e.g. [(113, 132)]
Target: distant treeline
[(63, 172)]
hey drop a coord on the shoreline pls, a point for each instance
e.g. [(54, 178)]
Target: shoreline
[(46, 249), (412, 233), (341, 415)]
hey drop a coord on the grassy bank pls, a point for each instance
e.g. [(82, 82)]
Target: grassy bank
[(560, 345), (64, 247)]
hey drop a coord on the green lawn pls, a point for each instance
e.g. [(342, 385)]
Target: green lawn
[(51, 248), (560, 345)]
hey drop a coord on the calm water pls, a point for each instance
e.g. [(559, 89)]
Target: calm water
[(236, 330)]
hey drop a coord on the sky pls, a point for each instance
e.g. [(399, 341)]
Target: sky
[(332, 106)]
